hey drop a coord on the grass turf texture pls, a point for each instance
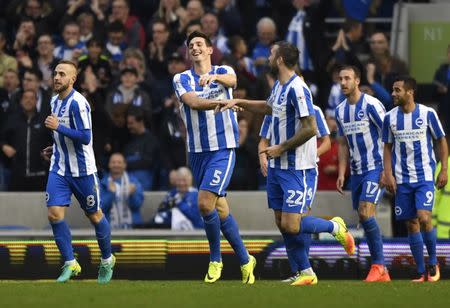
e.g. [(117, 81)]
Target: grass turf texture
[(274, 294)]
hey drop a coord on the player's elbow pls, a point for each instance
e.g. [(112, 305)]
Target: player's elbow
[(86, 138)]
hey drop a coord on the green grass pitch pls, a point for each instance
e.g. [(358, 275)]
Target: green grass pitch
[(231, 294)]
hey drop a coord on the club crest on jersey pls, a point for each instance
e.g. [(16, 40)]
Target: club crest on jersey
[(419, 122), (398, 211), (282, 98), (361, 114)]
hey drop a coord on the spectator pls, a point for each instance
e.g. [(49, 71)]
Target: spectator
[(159, 49), (229, 17), (267, 33), (376, 89), (141, 150), (121, 194), (129, 93), (116, 44), (89, 27), (388, 67), (328, 163), (72, 47), (335, 97), (345, 46), (135, 58), (194, 11), (179, 209), (6, 62), (210, 26), (441, 82), (25, 37), (119, 127), (11, 83), (22, 139), (135, 35), (46, 61), (246, 166), (31, 81), (170, 11), (97, 61), (237, 58)]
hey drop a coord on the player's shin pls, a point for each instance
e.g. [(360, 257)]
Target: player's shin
[(311, 224), (212, 229), (374, 240), (429, 238), (230, 230), (63, 239), (416, 245), (103, 234)]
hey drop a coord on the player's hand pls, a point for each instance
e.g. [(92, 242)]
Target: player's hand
[(8, 150), (263, 163), (131, 189), (390, 183), (112, 186), (47, 153), (382, 180), (51, 122), (442, 179), (273, 151), (229, 104), (207, 79), (340, 184)]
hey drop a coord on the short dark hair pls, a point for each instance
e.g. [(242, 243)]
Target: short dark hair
[(116, 26), (137, 113), (95, 41), (29, 90), (409, 83), (233, 42), (350, 24), (34, 71), (199, 34), (288, 52), (353, 68), (69, 62)]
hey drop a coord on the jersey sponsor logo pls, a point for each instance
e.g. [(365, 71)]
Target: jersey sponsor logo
[(351, 128), (419, 122), (361, 114), (409, 135)]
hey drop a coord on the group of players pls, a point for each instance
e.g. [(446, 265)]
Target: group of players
[(288, 153)]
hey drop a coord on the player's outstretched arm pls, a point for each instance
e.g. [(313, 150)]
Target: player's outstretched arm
[(342, 163), (390, 183), (442, 177), (197, 103), (249, 105)]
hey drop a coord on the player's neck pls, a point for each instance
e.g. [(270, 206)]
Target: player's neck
[(284, 75), (408, 107), (201, 68), (63, 95), (354, 97)]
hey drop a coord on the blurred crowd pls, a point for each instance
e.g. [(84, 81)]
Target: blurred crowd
[(127, 53)]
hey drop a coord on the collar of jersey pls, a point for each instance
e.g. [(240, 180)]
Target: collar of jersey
[(197, 75)]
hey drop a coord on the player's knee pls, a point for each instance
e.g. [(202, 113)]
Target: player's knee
[(288, 227), (54, 216), (95, 217), (205, 207), (413, 226), (425, 221)]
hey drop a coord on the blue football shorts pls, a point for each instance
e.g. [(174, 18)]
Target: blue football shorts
[(366, 187), (411, 197)]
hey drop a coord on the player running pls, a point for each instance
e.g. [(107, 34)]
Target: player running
[(409, 165), (359, 120), (73, 171), (293, 160), (322, 134), (212, 138)]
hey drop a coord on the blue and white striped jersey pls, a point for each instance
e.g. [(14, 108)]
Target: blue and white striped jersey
[(295, 37), (411, 134), (207, 131), (322, 127), (290, 102), (361, 124), (72, 158)]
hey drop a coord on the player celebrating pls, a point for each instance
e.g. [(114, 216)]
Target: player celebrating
[(73, 170), (408, 132), (360, 119), (292, 152), (211, 141), (325, 144)]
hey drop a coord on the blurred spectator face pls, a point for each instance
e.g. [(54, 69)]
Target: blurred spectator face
[(117, 164), (173, 178), (170, 4), (28, 28), (198, 50), (45, 45), (176, 67), (348, 81), (193, 28), (299, 4), (30, 82), (28, 101), (160, 33), (86, 22), (243, 131), (266, 33), (33, 9), (120, 10), (116, 38), (194, 9), (358, 32), (183, 179), (11, 80), (210, 24), (118, 115), (379, 44), (134, 126), (94, 50), (71, 34), (241, 47), (129, 80)]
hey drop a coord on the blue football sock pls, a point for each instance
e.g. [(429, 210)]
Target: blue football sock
[(429, 238), (63, 239), (374, 241), (306, 237), (311, 224), (297, 249), (416, 244), (212, 228), (230, 230), (103, 234)]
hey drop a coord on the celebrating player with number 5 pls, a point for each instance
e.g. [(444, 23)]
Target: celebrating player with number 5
[(73, 170), (409, 165)]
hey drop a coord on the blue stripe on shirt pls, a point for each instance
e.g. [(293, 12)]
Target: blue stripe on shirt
[(403, 152), (187, 111)]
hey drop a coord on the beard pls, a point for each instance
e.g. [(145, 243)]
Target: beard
[(61, 88), (274, 69)]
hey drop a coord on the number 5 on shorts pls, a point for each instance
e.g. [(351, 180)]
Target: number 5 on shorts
[(216, 179)]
